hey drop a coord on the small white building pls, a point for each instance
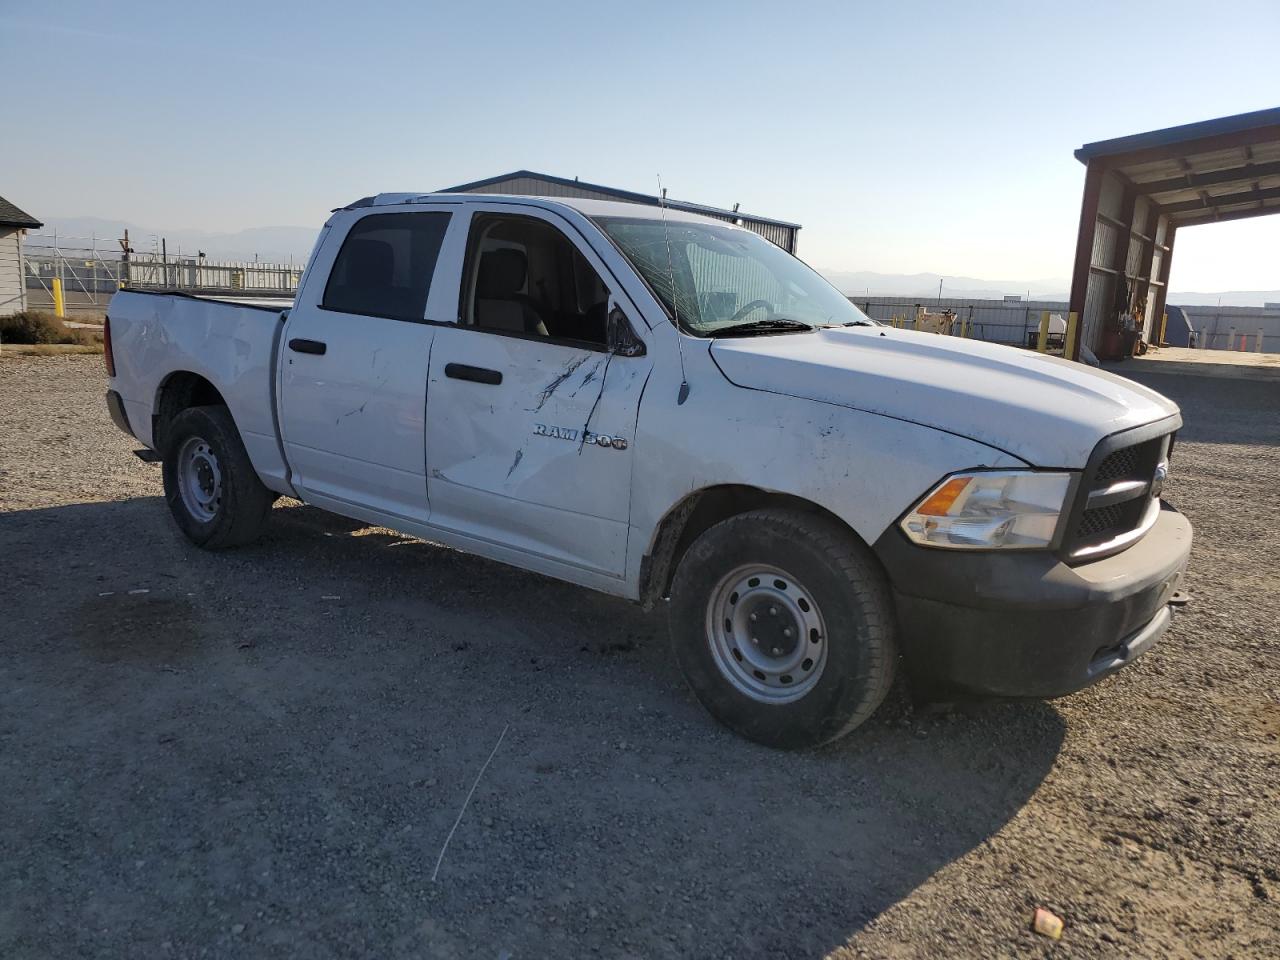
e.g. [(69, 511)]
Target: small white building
[(14, 224)]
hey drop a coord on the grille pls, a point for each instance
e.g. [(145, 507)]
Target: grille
[(1121, 465), (1103, 523), (1100, 524)]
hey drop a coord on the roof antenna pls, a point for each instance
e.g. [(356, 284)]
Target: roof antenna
[(683, 395)]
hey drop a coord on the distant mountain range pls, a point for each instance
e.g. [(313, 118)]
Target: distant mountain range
[(858, 283), (970, 288), (282, 244), (1228, 298)]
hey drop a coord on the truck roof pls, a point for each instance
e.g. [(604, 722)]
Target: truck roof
[(587, 207)]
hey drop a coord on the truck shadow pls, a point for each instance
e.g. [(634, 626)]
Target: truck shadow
[(298, 723)]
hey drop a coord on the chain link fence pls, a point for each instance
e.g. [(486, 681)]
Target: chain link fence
[(91, 269)]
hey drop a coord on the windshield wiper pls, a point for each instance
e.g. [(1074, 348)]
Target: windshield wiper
[(776, 325)]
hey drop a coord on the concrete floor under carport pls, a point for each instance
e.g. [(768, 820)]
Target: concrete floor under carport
[(1182, 361)]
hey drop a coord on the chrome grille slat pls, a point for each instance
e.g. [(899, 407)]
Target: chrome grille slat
[(1116, 493)]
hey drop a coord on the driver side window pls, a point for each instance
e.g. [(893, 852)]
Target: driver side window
[(526, 278)]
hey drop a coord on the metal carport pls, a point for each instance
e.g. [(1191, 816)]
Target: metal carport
[(1139, 191)]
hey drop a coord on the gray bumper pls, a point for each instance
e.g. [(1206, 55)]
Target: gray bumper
[(1027, 624)]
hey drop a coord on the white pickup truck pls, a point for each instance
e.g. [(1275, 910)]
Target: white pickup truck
[(667, 407)]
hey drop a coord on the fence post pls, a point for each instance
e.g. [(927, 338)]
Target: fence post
[(59, 304), (1072, 319), (1043, 343)]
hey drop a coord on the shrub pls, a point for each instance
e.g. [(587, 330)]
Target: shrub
[(35, 326)]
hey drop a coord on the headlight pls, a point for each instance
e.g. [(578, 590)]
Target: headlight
[(983, 510)]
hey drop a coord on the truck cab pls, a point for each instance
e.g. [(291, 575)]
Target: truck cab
[(670, 409)]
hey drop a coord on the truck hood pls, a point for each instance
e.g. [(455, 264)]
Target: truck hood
[(1047, 411)]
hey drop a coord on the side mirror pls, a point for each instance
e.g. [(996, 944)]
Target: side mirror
[(620, 337)]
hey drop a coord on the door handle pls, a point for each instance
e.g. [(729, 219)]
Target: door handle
[(462, 371), (308, 346)]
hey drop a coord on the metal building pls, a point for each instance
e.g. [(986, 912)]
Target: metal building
[(529, 184), (14, 223), (1139, 191)]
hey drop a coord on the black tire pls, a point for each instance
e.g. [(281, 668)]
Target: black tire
[(847, 586), (243, 503)]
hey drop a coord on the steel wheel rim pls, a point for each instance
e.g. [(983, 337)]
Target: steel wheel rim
[(750, 611), (199, 479)]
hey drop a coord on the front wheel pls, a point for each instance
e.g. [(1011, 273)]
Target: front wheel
[(213, 491), (783, 626)]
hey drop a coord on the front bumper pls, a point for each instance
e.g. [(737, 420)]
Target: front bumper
[(1025, 623)]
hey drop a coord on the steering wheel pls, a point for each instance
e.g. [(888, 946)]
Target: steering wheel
[(752, 306)]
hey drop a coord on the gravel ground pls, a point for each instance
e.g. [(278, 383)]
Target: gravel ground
[(263, 753)]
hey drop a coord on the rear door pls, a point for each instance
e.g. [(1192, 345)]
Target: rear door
[(354, 362), (530, 418)]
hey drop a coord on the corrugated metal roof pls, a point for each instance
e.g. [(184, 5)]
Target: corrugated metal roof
[(11, 216), (625, 195), (1223, 169), (1169, 136)]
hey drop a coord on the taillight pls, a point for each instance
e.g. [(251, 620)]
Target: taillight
[(106, 348)]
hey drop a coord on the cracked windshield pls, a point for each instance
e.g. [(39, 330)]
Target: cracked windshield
[(722, 280)]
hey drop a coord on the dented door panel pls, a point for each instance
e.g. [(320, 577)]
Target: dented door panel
[(352, 418), (352, 407), (542, 460)]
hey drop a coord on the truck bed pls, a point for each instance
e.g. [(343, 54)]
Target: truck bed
[(159, 336)]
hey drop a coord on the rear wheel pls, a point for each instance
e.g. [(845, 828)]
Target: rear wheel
[(783, 626), (213, 492)]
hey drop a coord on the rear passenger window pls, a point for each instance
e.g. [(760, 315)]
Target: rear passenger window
[(385, 265)]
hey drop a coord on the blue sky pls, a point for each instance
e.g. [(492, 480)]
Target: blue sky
[(906, 137)]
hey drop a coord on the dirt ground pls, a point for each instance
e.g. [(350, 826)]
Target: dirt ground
[(261, 753)]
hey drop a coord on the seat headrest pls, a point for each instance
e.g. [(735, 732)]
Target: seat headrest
[(501, 274), (370, 263)]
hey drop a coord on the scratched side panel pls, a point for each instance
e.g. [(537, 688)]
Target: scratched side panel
[(864, 468), (509, 462), (352, 418), (230, 346)]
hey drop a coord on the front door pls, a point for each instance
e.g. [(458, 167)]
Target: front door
[(530, 419), (353, 368)]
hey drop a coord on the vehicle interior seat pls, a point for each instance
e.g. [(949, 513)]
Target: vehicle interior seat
[(501, 303), (368, 280), (590, 302)]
